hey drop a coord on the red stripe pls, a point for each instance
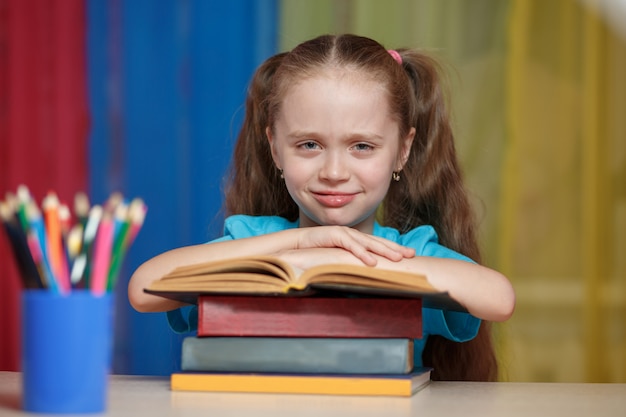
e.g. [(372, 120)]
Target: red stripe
[(43, 122)]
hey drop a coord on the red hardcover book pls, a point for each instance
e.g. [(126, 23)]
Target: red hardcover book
[(348, 317)]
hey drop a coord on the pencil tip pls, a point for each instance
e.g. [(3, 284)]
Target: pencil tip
[(23, 193)]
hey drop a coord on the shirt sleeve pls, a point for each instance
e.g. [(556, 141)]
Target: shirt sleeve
[(183, 320), (453, 325), (242, 226)]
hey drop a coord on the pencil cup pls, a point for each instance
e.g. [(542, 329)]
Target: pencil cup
[(66, 351)]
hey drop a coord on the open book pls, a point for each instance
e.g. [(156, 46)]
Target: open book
[(267, 275)]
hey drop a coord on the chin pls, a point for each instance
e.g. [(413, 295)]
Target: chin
[(363, 223)]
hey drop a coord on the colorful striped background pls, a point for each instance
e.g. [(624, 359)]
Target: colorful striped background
[(145, 96), (138, 96)]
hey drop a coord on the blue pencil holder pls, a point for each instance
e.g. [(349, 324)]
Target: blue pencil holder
[(66, 351)]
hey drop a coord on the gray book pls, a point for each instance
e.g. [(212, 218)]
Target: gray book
[(298, 355)]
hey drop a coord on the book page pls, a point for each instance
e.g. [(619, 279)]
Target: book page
[(267, 274), (228, 282), (261, 274), (261, 265), (364, 276)]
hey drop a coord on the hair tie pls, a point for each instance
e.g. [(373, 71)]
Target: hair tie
[(395, 55)]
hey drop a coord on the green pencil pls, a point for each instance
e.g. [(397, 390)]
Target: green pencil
[(122, 222)]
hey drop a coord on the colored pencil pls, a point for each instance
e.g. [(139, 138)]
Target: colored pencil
[(122, 227), (74, 241), (53, 253), (56, 252), (27, 266), (102, 255), (112, 202), (137, 214), (83, 262), (23, 200), (81, 208), (38, 231)]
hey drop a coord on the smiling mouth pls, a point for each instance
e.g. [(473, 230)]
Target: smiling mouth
[(333, 200)]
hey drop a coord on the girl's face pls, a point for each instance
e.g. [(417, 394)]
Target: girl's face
[(338, 146)]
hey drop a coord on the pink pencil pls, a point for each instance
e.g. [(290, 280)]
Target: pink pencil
[(137, 214), (102, 255)]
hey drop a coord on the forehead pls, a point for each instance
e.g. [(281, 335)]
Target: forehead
[(337, 104), (338, 74), (335, 86)]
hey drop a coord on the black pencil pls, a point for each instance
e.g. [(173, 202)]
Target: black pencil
[(29, 273)]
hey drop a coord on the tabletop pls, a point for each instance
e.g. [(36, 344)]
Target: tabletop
[(136, 395)]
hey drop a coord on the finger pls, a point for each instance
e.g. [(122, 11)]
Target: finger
[(388, 249), (405, 251), (362, 254), (359, 244)]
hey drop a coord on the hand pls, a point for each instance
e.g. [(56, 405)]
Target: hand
[(361, 245), (303, 259)]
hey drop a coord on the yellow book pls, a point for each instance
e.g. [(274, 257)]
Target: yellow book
[(375, 385)]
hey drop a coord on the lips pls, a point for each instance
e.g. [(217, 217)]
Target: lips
[(333, 199)]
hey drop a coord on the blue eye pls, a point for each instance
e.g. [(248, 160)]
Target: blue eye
[(309, 145), (363, 147)]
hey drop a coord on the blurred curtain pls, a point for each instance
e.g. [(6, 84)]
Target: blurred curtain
[(563, 230), (538, 96), (43, 124), (136, 96), (167, 82)]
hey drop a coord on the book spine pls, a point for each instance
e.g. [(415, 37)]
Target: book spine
[(298, 355), (310, 317), (370, 385)]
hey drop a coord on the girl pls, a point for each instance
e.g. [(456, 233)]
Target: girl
[(346, 154)]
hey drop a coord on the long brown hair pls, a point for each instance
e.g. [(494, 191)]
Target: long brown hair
[(431, 190)]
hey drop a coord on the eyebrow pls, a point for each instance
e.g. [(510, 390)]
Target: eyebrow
[(300, 134)]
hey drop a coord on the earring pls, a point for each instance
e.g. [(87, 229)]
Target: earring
[(281, 174), (395, 176)]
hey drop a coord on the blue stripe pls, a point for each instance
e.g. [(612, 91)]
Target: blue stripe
[(167, 81)]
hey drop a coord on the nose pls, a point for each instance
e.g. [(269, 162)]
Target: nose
[(335, 168)]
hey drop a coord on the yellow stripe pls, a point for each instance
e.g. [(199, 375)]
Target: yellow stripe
[(592, 202), (510, 189)]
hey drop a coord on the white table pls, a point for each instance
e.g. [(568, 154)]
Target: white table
[(143, 395)]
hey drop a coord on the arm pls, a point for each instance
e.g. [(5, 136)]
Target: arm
[(485, 293), (364, 248)]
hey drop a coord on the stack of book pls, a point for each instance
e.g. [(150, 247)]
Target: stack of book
[(335, 329)]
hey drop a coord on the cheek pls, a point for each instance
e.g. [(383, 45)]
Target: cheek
[(299, 169), (376, 177), (375, 170), (295, 176), (379, 185)]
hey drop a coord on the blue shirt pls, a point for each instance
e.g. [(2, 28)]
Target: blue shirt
[(456, 326)]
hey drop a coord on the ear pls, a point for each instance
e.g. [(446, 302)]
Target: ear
[(405, 148), (270, 139)]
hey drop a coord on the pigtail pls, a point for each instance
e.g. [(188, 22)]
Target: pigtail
[(432, 192), (254, 185)]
